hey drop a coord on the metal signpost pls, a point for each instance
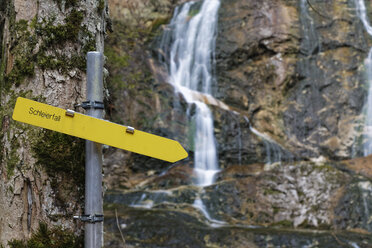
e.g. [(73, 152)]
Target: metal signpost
[(93, 156), (96, 131)]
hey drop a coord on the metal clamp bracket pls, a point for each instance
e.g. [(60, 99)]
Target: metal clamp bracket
[(70, 113), (91, 218), (130, 130), (91, 104)]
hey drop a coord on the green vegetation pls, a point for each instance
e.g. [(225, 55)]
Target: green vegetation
[(40, 44), (193, 12), (54, 35), (22, 69), (63, 158), (12, 159), (68, 3), (155, 25), (2, 47), (125, 59), (55, 237), (283, 223), (61, 154), (9, 155), (23, 55), (29, 52), (101, 6), (57, 153), (3, 5), (124, 50), (269, 191)]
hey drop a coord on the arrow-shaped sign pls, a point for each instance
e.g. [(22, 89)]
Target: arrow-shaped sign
[(97, 130)]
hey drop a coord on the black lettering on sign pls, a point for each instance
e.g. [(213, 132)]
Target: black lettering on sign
[(43, 114)]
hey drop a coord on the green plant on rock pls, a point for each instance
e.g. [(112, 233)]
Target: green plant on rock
[(101, 6), (45, 237), (157, 23), (283, 223), (193, 12)]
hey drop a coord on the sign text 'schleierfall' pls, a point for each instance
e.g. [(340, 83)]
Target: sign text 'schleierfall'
[(97, 130), (43, 114)]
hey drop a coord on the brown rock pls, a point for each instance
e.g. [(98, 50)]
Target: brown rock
[(362, 166)]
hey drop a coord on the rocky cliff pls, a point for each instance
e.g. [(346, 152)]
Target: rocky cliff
[(288, 121)]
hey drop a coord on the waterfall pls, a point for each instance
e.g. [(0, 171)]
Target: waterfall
[(365, 189), (310, 44), (362, 13), (367, 147), (274, 152), (189, 47)]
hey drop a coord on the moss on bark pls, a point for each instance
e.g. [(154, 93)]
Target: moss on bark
[(59, 153), (55, 237), (38, 44)]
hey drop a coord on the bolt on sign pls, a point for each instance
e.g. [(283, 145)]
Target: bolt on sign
[(97, 130)]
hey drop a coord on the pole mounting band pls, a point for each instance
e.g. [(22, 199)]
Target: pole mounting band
[(91, 218), (91, 104)]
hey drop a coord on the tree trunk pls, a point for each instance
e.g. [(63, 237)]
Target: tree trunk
[(43, 46)]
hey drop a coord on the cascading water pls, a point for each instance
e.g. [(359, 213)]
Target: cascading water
[(367, 147), (366, 187), (310, 43), (274, 152), (191, 40), (362, 13)]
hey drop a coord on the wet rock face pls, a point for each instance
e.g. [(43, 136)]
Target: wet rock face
[(156, 228), (294, 194), (163, 230), (303, 195), (295, 70), (289, 96), (256, 52), (236, 144), (286, 195), (328, 98), (354, 210), (291, 205)]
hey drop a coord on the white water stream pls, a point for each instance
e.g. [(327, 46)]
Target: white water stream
[(362, 13), (188, 45), (193, 33), (311, 42), (366, 187)]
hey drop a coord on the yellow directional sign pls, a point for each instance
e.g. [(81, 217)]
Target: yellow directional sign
[(97, 130)]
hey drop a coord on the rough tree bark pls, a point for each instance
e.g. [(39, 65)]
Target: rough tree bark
[(43, 45)]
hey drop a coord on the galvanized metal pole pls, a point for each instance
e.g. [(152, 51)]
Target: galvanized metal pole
[(93, 164)]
